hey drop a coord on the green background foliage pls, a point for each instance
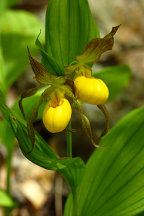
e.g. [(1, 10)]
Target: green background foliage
[(15, 37), (6, 200), (116, 78)]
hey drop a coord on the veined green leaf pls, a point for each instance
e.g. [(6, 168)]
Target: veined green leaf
[(18, 30), (69, 27), (51, 64), (68, 210), (42, 154), (6, 135), (2, 74), (113, 180), (6, 200), (116, 78), (7, 138), (30, 121)]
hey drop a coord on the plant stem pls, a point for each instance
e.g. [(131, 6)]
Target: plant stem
[(8, 164), (9, 169), (69, 140)]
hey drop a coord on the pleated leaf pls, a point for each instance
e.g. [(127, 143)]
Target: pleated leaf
[(6, 135), (2, 74), (113, 183), (68, 210), (51, 64), (69, 27), (116, 78), (42, 154), (18, 30)]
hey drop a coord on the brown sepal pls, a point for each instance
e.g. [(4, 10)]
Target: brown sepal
[(96, 47), (41, 73)]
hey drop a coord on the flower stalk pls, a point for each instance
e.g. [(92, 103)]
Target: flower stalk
[(69, 140)]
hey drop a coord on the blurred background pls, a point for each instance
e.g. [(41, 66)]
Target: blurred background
[(39, 192)]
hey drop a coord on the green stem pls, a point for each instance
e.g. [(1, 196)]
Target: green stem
[(69, 140), (9, 169), (8, 164)]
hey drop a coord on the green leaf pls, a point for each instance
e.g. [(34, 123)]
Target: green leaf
[(68, 210), (96, 47), (51, 64), (5, 199), (113, 181), (31, 119), (6, 135), (2, 74), (4, 4), (18, 30), (7, 138), (42, 154), (69, 27), (116, 78), (141, 214)]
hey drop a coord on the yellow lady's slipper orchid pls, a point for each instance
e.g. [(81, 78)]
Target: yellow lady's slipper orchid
[(91, 90), (56, 118)]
